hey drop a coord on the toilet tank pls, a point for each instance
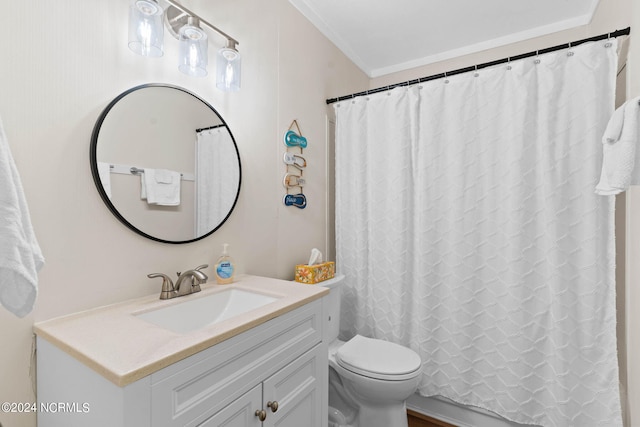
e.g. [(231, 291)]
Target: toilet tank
[(331, 309)]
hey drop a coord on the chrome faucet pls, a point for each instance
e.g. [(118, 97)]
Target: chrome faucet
[(194, 278)]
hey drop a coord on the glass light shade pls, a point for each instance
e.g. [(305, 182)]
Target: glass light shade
[(228, 70), (146, 31), (193, 51)]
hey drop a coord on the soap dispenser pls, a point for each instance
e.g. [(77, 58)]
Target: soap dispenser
[(224, 267)]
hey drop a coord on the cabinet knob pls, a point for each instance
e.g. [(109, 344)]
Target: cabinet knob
[(261, 414), (273, 405)]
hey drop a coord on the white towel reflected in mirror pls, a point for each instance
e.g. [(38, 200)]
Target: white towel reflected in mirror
[(160, 187)]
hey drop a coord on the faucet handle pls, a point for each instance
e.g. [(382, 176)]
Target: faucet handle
[(168, 290), (196, 283), (199, 268)]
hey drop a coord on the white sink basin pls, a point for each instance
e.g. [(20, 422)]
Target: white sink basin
[(195, 313)]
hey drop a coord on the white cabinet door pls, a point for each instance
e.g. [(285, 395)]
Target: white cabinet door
[(296, 389), (240, 413), (289, 398), (193, 389)]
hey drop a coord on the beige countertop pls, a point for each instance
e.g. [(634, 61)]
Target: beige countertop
[(123, 349)]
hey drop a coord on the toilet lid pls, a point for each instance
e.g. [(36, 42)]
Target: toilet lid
[(377, 358)]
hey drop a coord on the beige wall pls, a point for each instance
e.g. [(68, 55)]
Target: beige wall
[(609, 16), (62, 64)]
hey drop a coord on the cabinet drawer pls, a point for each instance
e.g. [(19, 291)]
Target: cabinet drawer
[(188, 392)]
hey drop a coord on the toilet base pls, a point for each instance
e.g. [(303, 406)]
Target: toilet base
[(395, 416), (347, 409), (338, 419), (383, 416)]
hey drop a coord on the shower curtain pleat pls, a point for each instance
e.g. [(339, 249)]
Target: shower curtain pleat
[(214, 172), (468, 230)]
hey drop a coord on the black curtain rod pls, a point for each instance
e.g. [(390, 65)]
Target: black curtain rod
[(614, 34), (211, 127)]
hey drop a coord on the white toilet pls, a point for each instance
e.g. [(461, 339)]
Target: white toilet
[(369, 379)]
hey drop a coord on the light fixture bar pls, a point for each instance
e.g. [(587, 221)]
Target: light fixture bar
[(231, 42)]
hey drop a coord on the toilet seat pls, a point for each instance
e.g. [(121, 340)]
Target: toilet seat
[(378, 359)]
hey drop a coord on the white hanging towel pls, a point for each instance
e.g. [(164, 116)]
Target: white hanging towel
[(161, 187), (20, 254), (620, 162)]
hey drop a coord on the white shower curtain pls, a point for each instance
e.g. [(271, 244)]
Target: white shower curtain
[(468, 230), (216, 178)]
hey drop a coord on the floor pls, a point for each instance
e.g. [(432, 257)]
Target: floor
[(417, 419)]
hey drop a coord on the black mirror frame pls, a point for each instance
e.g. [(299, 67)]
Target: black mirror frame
[(94, 163)]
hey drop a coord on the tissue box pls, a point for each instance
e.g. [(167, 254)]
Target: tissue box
[(311, 274)]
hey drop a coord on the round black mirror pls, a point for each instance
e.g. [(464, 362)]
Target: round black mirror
[(165, 163)]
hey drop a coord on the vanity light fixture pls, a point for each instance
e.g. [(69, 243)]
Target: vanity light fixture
[(193, 57), (145, 28), (228, 68), (146, 34)]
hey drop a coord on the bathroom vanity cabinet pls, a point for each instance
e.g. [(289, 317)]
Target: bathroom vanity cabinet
[(273, 374), (294, 389)]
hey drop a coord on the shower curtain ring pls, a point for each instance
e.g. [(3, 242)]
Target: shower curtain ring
[(570, 53), (508, 63), (537, 60), (476, 74), (446, 80), (608, 43)]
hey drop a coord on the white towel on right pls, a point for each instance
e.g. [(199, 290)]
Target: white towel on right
[(621, 156), (162, 187)]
